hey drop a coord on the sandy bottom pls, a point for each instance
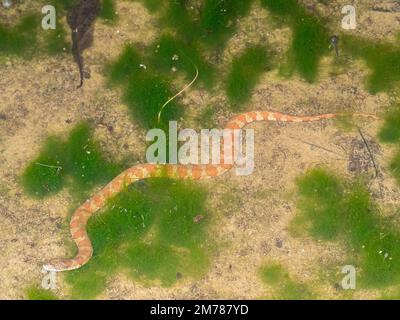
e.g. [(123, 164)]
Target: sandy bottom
[(39, 98)]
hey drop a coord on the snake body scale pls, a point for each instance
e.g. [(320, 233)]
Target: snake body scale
[(142, 171)]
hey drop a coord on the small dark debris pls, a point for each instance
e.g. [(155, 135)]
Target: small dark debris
[(387, 7), (359, 158), (279, 243), (178, 275), (68, 121), (3, 117)]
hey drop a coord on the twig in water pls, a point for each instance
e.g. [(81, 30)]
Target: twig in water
[(81, 19), (369, 151), (179, 93)]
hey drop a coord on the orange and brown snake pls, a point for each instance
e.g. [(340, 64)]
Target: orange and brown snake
[(142, 171)]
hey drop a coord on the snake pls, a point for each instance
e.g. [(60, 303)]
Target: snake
[(142, 171)]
